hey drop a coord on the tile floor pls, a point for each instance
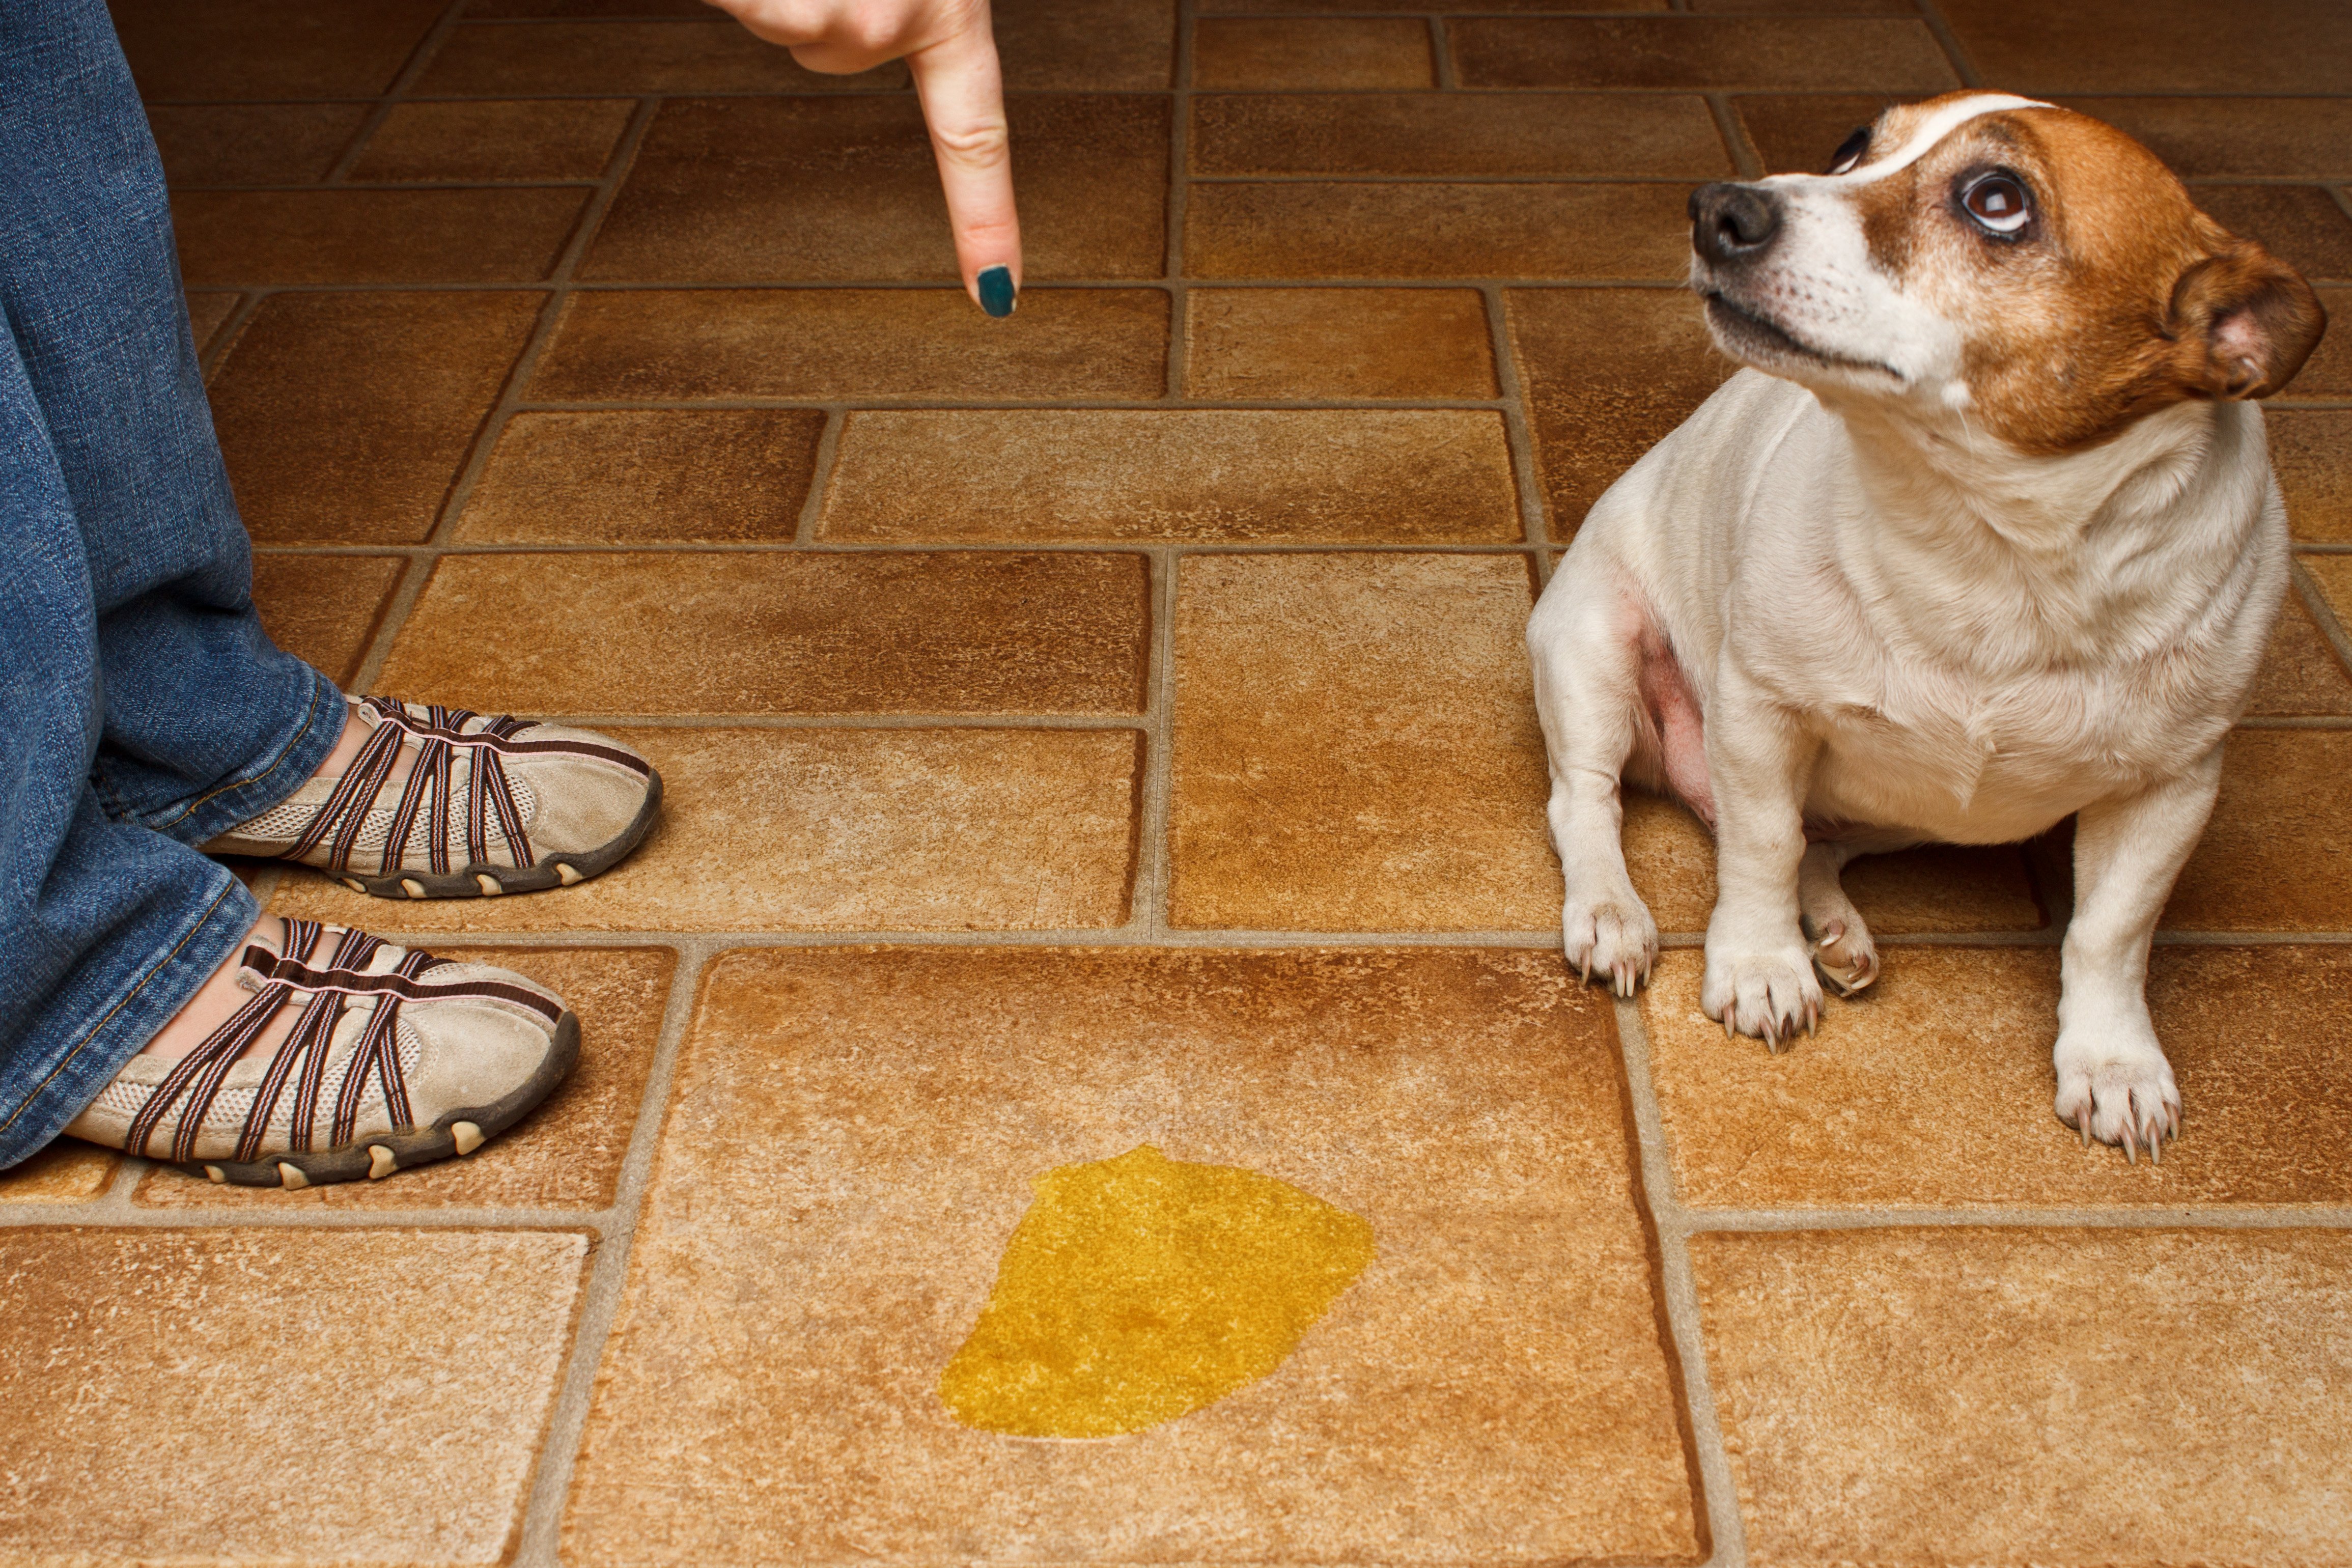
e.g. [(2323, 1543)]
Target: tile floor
[(1108, 727)]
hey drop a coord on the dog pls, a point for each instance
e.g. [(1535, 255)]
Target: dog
[(1984, 535)]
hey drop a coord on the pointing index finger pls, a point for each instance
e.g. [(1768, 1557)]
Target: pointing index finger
[(962, 93)]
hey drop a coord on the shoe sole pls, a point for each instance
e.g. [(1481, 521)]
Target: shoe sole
[(405, 1151), (476, 881)]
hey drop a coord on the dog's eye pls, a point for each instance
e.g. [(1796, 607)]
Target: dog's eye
[(1998, 202), (1850, 152)]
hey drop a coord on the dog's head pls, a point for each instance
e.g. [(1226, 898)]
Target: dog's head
[(2034, 270)]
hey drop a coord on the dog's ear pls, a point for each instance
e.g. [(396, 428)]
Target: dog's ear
[(2245, 322)]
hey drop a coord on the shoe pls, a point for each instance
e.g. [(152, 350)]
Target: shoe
[(396, 1058), (493, 805)]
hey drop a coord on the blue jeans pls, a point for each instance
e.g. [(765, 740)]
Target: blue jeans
[(142, 710)]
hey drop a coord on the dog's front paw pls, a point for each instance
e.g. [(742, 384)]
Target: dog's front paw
[(1612, 937), (1770, 993), (2117, 1093)]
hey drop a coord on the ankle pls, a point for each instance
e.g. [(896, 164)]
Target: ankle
[(217, 999)]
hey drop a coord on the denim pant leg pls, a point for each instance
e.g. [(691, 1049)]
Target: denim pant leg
[(142, 710)]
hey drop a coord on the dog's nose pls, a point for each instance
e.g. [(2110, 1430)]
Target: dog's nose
[(1732, 222)]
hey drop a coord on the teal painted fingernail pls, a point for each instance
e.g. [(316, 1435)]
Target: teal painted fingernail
[(996, 291)]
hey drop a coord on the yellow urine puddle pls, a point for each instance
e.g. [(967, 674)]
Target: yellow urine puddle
[(1140, 1289)]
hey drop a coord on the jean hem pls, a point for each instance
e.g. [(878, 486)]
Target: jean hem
[(292, 760)]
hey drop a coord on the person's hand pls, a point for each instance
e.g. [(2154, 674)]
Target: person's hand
[(948, 45)]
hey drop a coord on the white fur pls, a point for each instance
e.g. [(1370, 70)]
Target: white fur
[(1898, 630)]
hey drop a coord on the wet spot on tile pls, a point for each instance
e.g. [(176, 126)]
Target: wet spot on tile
[(68, 1171), (624, 56), (2311, 453), (1821, 54), (1138, 1290), (1421, 476), (1356, 746), (251, 144), (2277, 853), (2108, 1396), (547, 139), (277, 1394), (2141, 46), (474, 236), (1493, 1387), (681, 345), (345, 416), (1099, 46), (2301, 677), (1933, 1089), (1607, 373), (1313, 230), (724, 634), (269, 48), (839, 830), (1337, 343), (846, 188), (646, 476), (324, 609), (1456, 134), (1297, 53)]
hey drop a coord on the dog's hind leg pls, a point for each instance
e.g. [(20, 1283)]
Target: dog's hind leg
[(1585, 641)]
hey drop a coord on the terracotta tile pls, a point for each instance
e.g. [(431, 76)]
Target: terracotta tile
[(1933, 1091), (2301, 225), (1492, 1390), (1796, 134), (67, 1172), (626, 9), (252, 145), (545, 139), (840, 830), (1337, 343), (2222, 138), (1310, 229), (1607, 374), (1297, 53), (767, 633), (2334, 576), (674, 345), (1243, 7), (2311, 453), (1807, 8), (207, 312), (1356, 747), (1818, 54), (2277, 855), (626, 57), (2302, 677), (2015, 1395), (1457, 133), (345, 416), (2139, 46), (742, 189), (269, 48), (2328, 373), (1098, 45), (1936, 888), (651, 476), (293, 1395), (324, 609), (481, 236), (1041, 475), (566, 1156)]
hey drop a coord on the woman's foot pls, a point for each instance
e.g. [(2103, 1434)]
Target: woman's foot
[(317, 1054), (418, 802)]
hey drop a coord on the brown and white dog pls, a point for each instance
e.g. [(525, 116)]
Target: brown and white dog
[(1987, 536)]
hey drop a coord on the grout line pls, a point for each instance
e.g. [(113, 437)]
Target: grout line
[(1154, 857), (1180, 188), (393, 617), (567, 1422), (821, 466), (1518, 435), (373, 121), (1745, 158), (872, 284), (209, 356), (1441, 56), (1719, 1496), (2323, 613), (557, 286), (1962, 66), (892, 547)]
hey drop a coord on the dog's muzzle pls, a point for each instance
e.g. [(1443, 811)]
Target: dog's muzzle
[(1734, 224)]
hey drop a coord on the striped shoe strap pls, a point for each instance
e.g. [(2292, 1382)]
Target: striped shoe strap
[(330, 989)]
